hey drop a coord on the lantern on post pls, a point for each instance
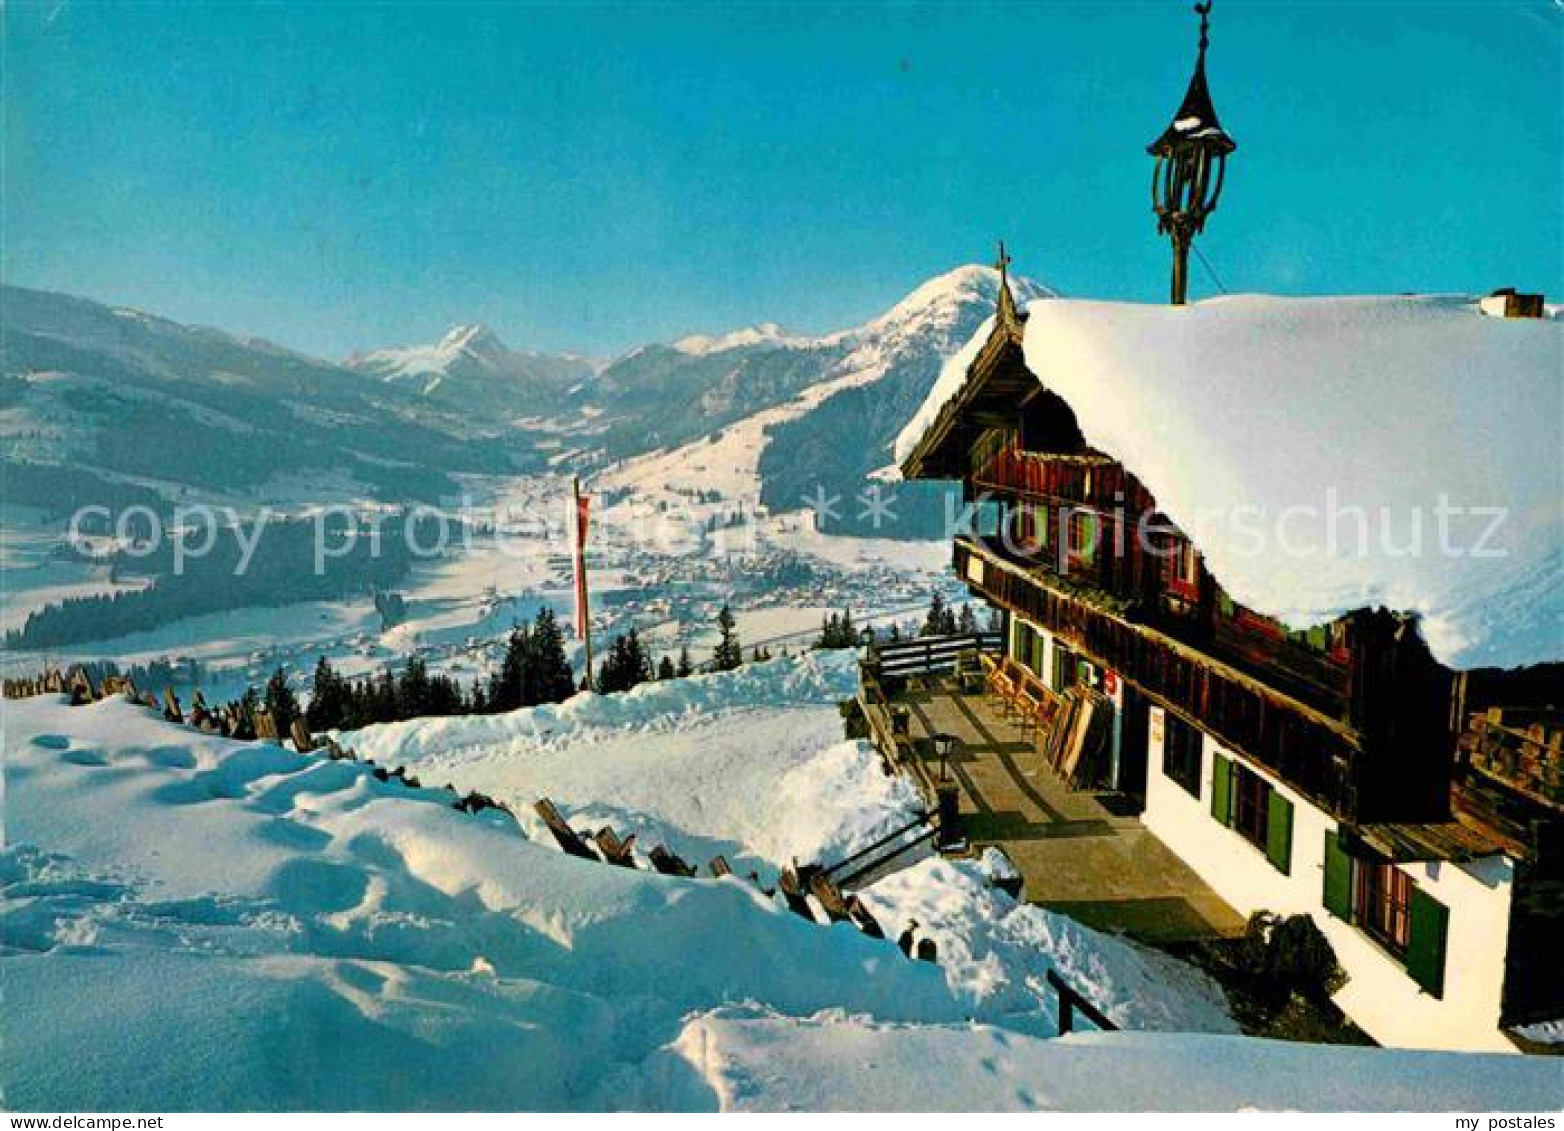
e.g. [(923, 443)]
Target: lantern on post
[(944, 747), (1191, 161)]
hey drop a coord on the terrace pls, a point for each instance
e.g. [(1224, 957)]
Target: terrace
[(1080, 852)]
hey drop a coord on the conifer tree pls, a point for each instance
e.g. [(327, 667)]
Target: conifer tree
[(551, 677), (685, 667), (665, 668), (330, 697), (413, 689), (729, 652), (966, 622), (249, 703), (281, 704)]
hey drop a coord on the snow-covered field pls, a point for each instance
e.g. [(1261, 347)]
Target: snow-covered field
[(757, 1061), (750, 763), (191, 922)]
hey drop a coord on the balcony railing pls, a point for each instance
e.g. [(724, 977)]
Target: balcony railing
[(1087, 479), (1521, 749), (1312, 751)]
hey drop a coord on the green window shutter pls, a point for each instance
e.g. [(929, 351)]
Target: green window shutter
[(1426, 951), (1338, 879), (1278, 833), (1221, 789)]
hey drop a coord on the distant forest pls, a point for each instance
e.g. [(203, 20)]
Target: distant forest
[(281, 571)]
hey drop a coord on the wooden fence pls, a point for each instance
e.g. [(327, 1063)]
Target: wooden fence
[(928, 655)]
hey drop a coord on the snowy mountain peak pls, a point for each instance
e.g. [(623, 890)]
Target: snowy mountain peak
[(470, 365), (474, 338), (761, 334), (966, 286)]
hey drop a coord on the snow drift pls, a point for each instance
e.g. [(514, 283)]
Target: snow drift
[(193, 922)]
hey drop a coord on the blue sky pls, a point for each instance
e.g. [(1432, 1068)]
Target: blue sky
[(589, 177)]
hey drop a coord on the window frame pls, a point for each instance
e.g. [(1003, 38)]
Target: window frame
[(1183, 754), (1382, 905), (1251, 800), (1079, 551), (1181, 570)]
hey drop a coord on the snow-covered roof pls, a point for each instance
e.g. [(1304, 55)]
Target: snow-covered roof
[(1334, 453)]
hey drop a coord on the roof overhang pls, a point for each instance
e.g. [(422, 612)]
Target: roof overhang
[(997, 385), (1410, 843)]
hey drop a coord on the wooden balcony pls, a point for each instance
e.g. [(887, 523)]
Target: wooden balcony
[(1317, 754), (1087, 479), (1520, 750)]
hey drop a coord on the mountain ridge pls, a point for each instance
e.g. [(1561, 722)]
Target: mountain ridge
[(117, 394)]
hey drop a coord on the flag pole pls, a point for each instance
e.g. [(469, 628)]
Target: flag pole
[(583, 605)]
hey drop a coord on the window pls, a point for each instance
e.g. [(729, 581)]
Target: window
[(1084, 531), (1246, 803), (1251, 805), (1383, 904), (1064, 668), (1181, 570), (1181, 754)]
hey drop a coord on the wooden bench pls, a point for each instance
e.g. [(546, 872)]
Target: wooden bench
[(719, 867)]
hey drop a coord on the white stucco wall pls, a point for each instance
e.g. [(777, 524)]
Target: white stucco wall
[(1380, 997)]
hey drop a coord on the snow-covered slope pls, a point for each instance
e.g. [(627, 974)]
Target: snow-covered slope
[(827, 438), (191, 922), (194, 922), (749, 763), (763, 334)]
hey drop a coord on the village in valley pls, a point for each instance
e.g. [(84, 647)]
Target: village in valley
[(1120, 705)]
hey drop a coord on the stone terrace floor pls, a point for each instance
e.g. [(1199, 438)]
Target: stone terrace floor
[(1077, 855)]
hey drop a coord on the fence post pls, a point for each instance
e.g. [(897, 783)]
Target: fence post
[(949, 797)]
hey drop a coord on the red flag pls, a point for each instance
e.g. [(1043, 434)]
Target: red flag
[(583, 503)]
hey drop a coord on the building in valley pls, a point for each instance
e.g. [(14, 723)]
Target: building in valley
[(1305, 554)]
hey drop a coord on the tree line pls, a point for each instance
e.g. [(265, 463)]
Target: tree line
[(534, 670)]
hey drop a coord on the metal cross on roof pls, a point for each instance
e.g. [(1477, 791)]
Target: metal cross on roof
[(1007, 314)]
